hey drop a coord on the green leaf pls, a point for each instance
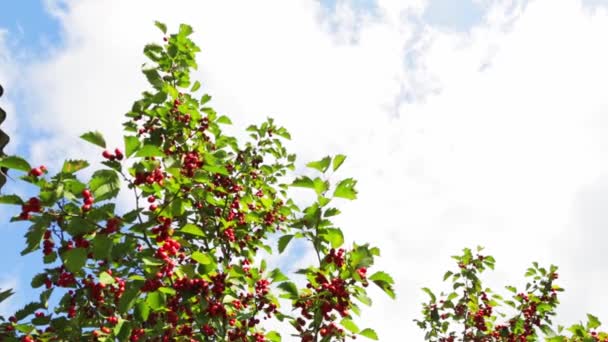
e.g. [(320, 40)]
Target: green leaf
[(349, 325), (106, 279), (284, 241), (184, 30), (192, 229), (34, 236), (5, 294), (142, 310), (15, 163), (276, 275), (156, 300), (290, 288), (382, 276), (195, 86), (102, 246), (303, 182), (369, 333), (162, 27), (74, 259), (206, 98), (94, 138), (11, 199), (38, 280), (593, 322), (104, 184), (331, 212), (346, 189), (132, 144), (128, 297), (430, 293), (338, 160), (334, 236), (273, 336), (150, 151), (201, 258), (28, 310), (320, 165), (224, 120), (71, 166)]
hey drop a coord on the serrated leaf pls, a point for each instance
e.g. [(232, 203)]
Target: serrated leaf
[(334, 236), (15, 163), (369, 333), (5, 294), (320, 165), (38, 280), (94, 138), (149, 151), (338, 160), (71, 166), (346, 189), (104, 184), (74, 259), (283, 242), (192, 229), (592, 322), (303, 182), (132, 144), (11, 199)]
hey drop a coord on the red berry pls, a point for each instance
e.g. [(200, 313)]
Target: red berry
[(36, 172), (86, 193), (106, 154), (151, 199)]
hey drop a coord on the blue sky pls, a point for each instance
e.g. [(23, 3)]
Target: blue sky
[(478, 121)]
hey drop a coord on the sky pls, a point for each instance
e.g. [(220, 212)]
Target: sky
[(473, 122)]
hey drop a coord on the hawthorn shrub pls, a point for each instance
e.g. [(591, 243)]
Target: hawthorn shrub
[(470, 312), (185, 263)]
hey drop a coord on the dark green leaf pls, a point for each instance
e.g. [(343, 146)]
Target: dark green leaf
[(156, 300), (74, 259), (11, 199), (290, 288), (94, 138), (5, 294), (284, 241), (162, 27)]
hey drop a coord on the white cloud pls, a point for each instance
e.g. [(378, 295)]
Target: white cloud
[(501, 143)]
